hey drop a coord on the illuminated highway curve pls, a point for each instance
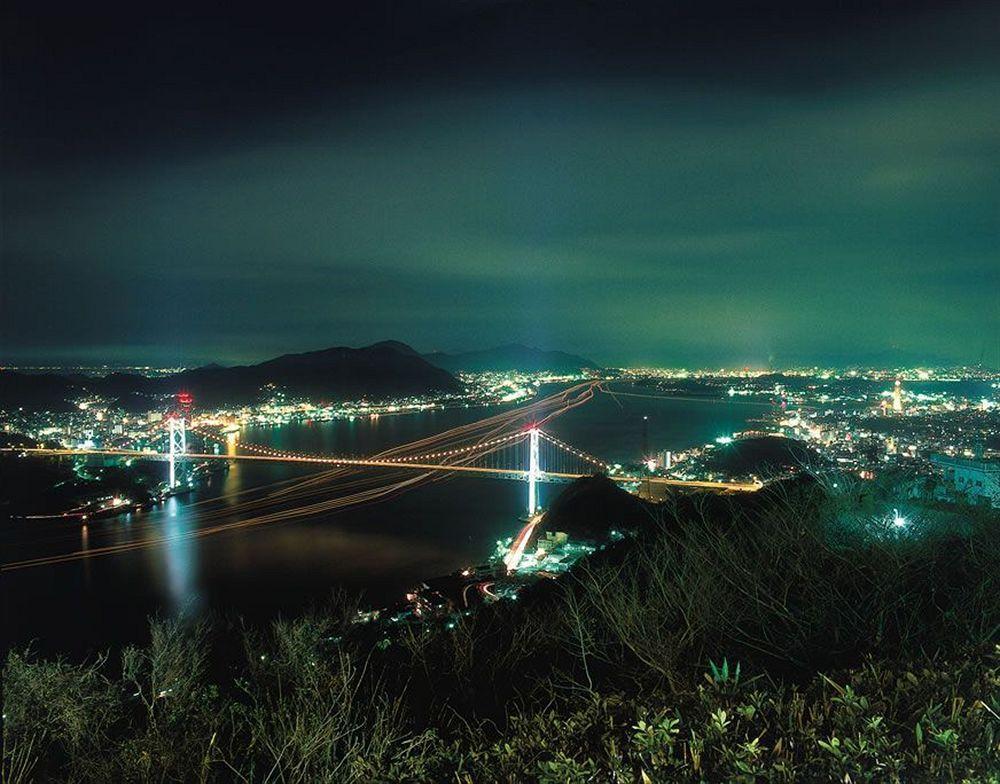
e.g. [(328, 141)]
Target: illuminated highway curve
[(435, 457)]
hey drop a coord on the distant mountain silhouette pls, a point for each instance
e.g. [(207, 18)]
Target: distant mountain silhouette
[(388, 369), (38, 393), (512, 357), (396, 345)]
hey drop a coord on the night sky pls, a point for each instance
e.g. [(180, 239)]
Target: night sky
[(712, 183)]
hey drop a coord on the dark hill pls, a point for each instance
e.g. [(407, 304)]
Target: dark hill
[(38, 393), (397, 346), (762, 457), (512, 357), (591, 507), (383, 370)]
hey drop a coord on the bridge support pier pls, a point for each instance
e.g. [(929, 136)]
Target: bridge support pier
[(178, 446), (533, 471)]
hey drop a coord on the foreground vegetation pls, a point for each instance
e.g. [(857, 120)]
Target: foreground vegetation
[(799, 635)]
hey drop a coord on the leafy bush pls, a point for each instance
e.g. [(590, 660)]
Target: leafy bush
[(874, 723)]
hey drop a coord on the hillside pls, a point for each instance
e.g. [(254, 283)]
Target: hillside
[(767, 456), (750, 638), (381, 370), (511, 357), (40, 393), (590, 507)]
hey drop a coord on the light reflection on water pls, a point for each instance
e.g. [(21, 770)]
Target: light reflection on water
[(180, 558)]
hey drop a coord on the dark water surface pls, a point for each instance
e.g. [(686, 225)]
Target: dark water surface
[(380, 549)]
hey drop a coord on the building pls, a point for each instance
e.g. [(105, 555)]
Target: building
[(977, 480)]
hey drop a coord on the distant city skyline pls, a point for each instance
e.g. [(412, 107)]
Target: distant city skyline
[(703, 184)]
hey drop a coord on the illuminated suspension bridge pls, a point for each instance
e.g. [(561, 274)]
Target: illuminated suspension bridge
[(508, 445), (532, 455)]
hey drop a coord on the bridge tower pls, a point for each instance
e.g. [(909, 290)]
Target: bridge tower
[(533, 470), (178, 445)]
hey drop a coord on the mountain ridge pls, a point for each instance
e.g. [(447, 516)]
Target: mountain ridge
[(385, 369)]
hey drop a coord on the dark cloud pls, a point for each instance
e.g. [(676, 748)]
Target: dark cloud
[(719, 183)]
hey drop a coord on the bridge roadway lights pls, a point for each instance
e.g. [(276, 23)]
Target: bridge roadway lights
[(533, 475)]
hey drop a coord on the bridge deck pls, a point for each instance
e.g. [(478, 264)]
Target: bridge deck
[(369, 463)]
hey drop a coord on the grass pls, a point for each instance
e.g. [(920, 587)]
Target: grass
[(799, 635)]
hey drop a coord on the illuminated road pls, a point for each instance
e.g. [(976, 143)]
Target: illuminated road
[(517, 547), (505, 473)]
